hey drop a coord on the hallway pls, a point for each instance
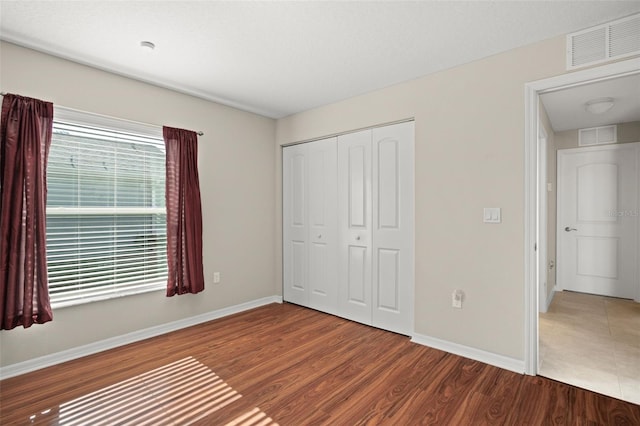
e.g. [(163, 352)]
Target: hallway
[(592, 342)]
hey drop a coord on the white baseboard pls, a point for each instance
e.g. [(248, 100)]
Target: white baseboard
[(550, 297), (543, 304), (19, 368), (512, 364)]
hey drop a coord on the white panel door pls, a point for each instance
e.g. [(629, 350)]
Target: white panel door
[(295, 224), (393, 227), (322, 219), (598, 220), (354, 226)]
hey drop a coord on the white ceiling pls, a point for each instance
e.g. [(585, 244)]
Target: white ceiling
[(279, 58), (566, 108)]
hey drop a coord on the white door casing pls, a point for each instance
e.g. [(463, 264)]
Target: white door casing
[(542, 257), (598, 220), (532, 91)]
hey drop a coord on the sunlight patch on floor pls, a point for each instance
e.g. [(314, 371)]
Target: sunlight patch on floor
[(179, 393), (255, 417)]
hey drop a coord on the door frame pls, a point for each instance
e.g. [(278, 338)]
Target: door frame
[(541, 224), (532, 91)]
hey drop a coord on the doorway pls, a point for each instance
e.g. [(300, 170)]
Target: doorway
[(597, 235), (536, 276)]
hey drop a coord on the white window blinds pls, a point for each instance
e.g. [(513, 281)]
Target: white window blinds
[(106, 216)]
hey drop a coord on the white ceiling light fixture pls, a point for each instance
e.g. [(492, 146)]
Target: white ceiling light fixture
[(599, 106), (147, 44)]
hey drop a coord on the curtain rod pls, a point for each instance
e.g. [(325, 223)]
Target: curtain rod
[(199, 133)]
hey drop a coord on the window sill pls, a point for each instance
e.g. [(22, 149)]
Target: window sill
[(102, 298)]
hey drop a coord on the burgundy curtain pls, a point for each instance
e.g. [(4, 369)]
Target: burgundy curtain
[(25, 137), (184, 213)]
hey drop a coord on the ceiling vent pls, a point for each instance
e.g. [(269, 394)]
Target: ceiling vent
[(614, 40), (598, 135)]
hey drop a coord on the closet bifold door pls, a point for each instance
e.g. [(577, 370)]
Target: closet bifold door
[(348, 226), (393, 227), (310, 225), (375, 225), (295, 227), (323, 225), (354, 226)]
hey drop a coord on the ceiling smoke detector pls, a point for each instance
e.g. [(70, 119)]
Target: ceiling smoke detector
[(599, 106)]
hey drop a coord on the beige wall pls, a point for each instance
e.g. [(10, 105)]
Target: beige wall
[(469, 154), (237, 168), (627, 133)]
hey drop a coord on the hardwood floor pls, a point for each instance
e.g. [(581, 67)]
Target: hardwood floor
[(288, 365)]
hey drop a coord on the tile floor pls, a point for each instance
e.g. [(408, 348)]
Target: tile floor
[(592, 342)]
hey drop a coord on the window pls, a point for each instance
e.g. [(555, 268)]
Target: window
[(106, 216)]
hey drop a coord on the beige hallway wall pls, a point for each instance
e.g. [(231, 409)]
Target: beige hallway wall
[(627, 133)]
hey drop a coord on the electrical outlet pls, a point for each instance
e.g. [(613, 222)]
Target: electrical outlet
[(216, 277), (456, 299)]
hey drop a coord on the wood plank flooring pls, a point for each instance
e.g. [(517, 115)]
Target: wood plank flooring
[(288, 365)]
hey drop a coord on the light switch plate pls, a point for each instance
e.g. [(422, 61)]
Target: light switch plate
[(492, 215)]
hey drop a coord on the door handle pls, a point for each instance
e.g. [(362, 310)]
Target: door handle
[(567, 229)]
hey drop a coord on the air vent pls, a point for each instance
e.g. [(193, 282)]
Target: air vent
[(598, 135), (614, 40)]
